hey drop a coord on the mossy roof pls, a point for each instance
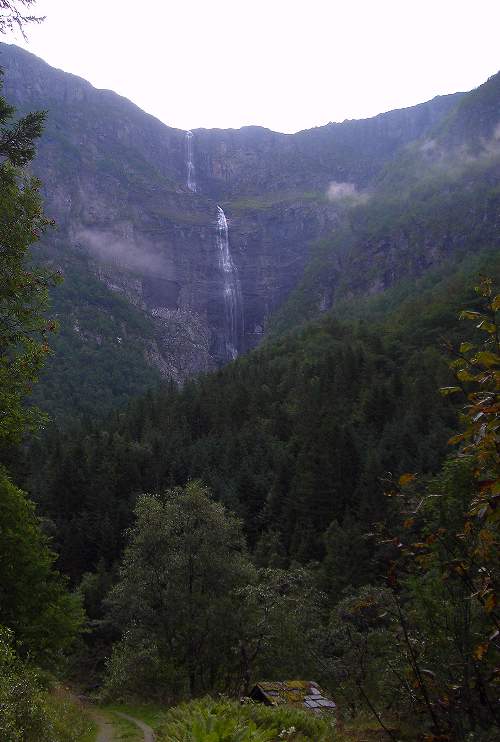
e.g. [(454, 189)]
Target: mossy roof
[(299, 693)]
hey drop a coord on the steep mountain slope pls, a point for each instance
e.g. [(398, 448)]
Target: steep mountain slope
[(437, 201), (292, 436), (254, 161), (116, 181)]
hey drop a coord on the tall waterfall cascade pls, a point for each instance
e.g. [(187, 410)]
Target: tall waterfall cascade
[(191, 174), (233, 303)]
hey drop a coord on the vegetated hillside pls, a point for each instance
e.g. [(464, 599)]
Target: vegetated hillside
[(292, 437), (97, 360), (474, 122), (437, 201), (115, 180)]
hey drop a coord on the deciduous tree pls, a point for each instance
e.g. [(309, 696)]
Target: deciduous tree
[(175, 601)]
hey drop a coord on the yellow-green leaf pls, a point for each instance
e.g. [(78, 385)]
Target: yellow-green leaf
[(487, 326), (480, 651), (406, 479), (468, 314), (488, 359), (490, 602), (445, 390)]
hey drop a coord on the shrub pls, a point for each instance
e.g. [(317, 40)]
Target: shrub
[(227, 721), (28, 711)]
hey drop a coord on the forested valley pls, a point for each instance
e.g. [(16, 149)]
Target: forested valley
[(319, 512)]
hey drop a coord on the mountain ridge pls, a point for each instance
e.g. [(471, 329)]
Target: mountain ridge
[(115, 180)]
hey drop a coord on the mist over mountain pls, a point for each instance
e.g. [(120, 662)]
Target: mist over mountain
[(139, 229)]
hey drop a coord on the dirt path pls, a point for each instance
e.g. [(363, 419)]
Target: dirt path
[(147, 731), (105, 730)]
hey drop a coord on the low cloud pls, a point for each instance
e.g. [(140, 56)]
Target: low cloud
[(347, 193), (125, 252), (338, 191), (455, 161), (428, 145)]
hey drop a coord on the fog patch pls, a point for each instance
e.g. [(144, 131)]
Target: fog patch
[(428, 145), (345, 193), (456, 161), (338, 191), (125, 252), (492, 148)]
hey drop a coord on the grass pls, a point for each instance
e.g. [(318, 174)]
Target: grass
[(365, 728), (70, 720), (255, 720), (91, 734), (268, 200), (170, 723), (149, 714), (124, 730)]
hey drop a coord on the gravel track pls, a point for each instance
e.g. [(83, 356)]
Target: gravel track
[(106, 730), (148, 733)]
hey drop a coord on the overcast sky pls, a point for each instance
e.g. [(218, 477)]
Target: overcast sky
[(282, 64)]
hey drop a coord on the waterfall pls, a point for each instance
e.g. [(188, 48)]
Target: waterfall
[(233, 306), (191, 175)]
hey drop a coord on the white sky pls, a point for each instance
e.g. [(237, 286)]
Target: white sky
[(282, 64)]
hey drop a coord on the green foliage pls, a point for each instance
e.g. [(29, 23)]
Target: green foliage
[(175, 600), (280, 612), (422, 217), (443, 560), (295, 438), (99, 353), (88, 657), (205, 726), (28, 711), (479, 367), (360, 650), (346, 547), (291, 437), (39, 619), (34, 603), (17, 137), (226, 721), (24, 289), (23, 300), (440, 581), (193, 613)]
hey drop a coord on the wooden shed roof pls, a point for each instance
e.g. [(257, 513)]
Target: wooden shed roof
[(305, 694)]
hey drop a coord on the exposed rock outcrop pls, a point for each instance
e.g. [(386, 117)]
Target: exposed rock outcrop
[(141, 200)]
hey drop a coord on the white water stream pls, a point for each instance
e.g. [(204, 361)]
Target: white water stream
[(191, 175), (231, 286), (233, 306)]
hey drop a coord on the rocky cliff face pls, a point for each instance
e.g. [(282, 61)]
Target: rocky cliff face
[(141, 201), (435, 204), (254, 161)]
